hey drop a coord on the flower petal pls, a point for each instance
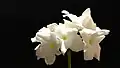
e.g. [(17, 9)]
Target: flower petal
[(33, 39), (72, 17), (89, 53), (86, 12), (63, 48), (50, 59), (69, 24), (76, 41), (40, 52), (44, 36), (97, 50), (103, 32), (85, 35), (52, 27), (97, 40)]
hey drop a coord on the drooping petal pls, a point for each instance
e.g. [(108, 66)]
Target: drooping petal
[(50, 59), (40, 53), (97, 50), (89, 53), (63, 48)]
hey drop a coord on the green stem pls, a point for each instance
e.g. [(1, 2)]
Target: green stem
[(69, 58)]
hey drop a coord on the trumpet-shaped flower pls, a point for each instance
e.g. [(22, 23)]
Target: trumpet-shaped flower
[(92, 38), (69, 38), (49, 46)]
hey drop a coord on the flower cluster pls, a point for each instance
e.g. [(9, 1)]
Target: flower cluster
[(55, 39)]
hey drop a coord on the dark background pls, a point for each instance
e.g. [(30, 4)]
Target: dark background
[(20, 20)]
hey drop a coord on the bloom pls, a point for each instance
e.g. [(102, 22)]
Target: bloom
[(92, 38), (64, 36), (83, 21), (69, 38), (49, 46), (90, 33)]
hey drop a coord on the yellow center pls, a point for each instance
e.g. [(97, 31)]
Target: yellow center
[(52, 45), (64, 37), (90, 41)]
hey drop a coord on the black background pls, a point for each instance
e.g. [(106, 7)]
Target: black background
[(20, 20)]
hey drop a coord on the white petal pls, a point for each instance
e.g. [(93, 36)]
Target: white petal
[(88, 23), (38, 58), (77, 43), (50, 59), (85, 35), (86, 12), (52, 26), (65, 12), (72, 17), (89, 54), (98, 29), (33, 39), (44, 36), (38, 39), (104, 32), (69, 24), (97, 50), (44, 30), (87, 19), (97, 40), (63, 48), (40, 53)]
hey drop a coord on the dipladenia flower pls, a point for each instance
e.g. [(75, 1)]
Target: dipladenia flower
[(92, 38), (69, 38), (49, 46)]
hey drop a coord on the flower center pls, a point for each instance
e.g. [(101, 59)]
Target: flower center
[(90, 41), (52, 45), (64, 37)]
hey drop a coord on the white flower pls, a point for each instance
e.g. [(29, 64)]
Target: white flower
[(83, 21), (69, 38), (92, 38), (49, 46)]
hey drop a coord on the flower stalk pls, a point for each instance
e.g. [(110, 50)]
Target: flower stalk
[(69, 58)]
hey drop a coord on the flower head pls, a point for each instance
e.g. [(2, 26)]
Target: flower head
[(83, 21), (69, 38), (92, 38), (49, 46)]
